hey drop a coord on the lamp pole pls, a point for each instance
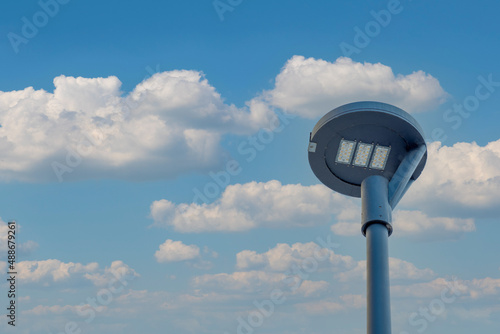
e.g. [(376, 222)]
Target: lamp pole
[(376, 220), (374, 151)]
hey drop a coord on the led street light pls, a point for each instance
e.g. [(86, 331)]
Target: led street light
[(362, 154), (380, 157), (361, 139), (344, 155), (393, 167)]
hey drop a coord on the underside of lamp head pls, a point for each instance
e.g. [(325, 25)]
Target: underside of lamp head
[(362, 139)]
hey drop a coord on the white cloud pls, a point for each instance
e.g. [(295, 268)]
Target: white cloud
[(327, 306), (283, 256), (50, 271), (246, 206), (480, 295), (319, 307), (311, 87), (170, 123), (485, 287), (354, 301), (311, 288), (171, 251), (256, 282), (436, 288), (117, 271), (398, 269), (276, 269), (465, 176), (416, 225), (244, 281), (58, 309), (199, 297), (242, 207), (347, 228)]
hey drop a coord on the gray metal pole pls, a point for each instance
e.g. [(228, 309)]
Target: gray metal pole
[(377, 280), (376, 220)]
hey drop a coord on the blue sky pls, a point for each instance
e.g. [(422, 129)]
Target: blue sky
[(116, 116)]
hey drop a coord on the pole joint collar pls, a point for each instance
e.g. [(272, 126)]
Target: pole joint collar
[(375, 207)]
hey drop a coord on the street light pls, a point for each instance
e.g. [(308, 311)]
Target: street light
[(375, 151)]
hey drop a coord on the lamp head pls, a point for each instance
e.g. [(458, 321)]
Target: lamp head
[(361, 139)]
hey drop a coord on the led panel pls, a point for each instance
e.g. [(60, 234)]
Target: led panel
[(362, 154), (380, 157), (346, 149)]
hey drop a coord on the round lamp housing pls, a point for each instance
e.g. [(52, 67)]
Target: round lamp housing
[(361, 139)]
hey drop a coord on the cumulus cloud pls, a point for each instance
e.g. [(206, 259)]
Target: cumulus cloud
[(354, 301), (244, 281), (484, 287), (311, 87), (326, 306), (50, 271), (319, 307), (285, 267), (172, 251), (464, 177), (283, 256), (132, 303), (117, 271), (438, 287), (246, 206), (58, 309), (447, 289), (256, 281), (173, 122), (398, 269), (309, 288), (242, 207), (477, 288), (170, 123), (416, 225)]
